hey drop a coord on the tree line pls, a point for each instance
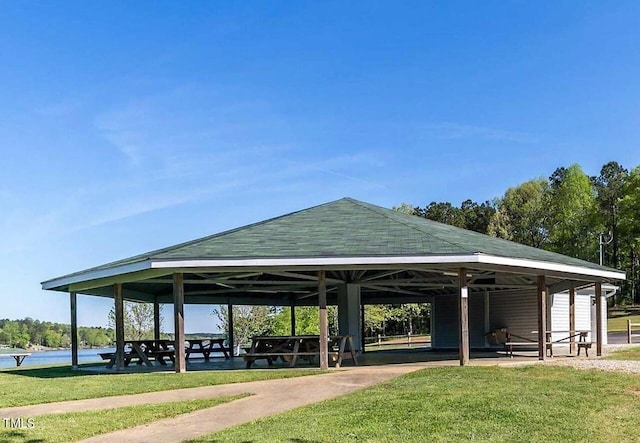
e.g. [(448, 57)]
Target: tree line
[(568, 212), (29, 332)]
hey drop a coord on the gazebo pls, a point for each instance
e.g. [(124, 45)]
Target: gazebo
[(346, 253)]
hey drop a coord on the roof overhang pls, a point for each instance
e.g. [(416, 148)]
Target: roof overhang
[(147, 269)]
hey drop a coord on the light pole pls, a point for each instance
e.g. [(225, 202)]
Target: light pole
[(604, 241)]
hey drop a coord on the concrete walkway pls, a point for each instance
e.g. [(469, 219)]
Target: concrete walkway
[(268, 397)]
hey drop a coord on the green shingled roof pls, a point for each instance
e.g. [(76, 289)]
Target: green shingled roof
[(348, 228)]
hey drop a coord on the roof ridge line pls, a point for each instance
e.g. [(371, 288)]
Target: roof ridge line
[(413, 227)]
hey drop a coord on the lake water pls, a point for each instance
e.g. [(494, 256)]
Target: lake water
[(50, 358)]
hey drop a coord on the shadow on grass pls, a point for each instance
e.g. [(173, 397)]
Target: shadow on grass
[(18, 436), (48, 372)]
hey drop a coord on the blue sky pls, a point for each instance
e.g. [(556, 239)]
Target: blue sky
[(125, 127)]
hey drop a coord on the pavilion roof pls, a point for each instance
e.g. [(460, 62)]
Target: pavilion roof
[(344, 228)]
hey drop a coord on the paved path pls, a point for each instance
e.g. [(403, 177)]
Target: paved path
[(268, 397)]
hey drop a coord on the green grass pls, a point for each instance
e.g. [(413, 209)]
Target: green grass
[(617, 319), (59, 383), (75, 426), (526, 404), (625, 354)]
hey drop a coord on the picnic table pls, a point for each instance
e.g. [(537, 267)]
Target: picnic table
[(206, 347), (294, 347), (143, 352), (567, 337), (17, 354), (512, 340)]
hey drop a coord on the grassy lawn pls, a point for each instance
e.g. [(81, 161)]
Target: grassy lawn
[(79, 425), (59, 383), (625, 354), (617, 318), (534, 403)]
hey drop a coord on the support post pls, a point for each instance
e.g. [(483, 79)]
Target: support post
[(487, 319), (293, 316), (463, 316), (324, 323), (231, 337), (599, 318), (572, 319), (156, 320), (542, 318), (74, 330), (119, 311), (362, 330), (178, 313)]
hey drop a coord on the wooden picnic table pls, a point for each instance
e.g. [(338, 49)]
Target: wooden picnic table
[(567, 337), (294, 347), (513, 340), (144, 352), (198, 346)]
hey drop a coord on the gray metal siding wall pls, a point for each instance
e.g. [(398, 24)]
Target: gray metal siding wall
[(516, 310), (476, 320), (445, 320)]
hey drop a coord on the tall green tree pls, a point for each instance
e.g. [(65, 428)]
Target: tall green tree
[(443, 212), (629, 206), (307, 320), (574, 226), (247, 322), (610, 188), (477, 217), (522, 214), (138, 320), (14, 334)]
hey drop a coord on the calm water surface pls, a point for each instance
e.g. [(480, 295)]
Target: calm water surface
[(49, 358)]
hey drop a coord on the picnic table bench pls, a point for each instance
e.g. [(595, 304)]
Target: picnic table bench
[(17, 355), (198, 346), (144, 351), (292, 348)]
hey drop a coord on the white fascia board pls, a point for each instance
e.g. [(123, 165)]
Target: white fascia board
[(460, 260), (95, 275), (320, 261), (550, 266)]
